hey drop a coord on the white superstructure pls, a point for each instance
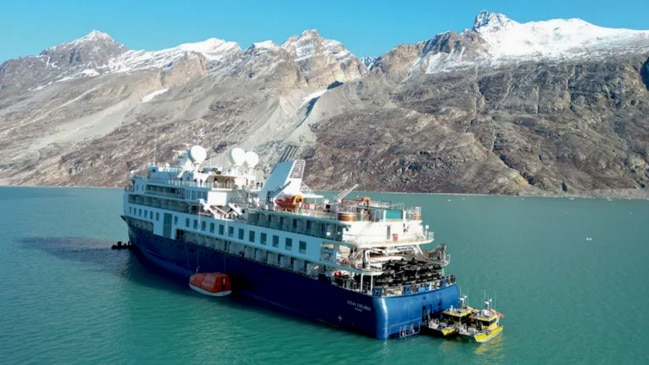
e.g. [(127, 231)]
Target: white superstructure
[(358, 244)]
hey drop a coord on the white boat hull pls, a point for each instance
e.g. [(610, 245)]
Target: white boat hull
[(209, 293)]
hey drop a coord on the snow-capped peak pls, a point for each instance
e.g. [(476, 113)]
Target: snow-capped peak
[(553, 38), (309, 43), (95, 34), (502, 41), (269, 45), (487, 22), (213, 49)]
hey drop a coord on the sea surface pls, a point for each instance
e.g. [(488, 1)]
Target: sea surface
[(570, 275)]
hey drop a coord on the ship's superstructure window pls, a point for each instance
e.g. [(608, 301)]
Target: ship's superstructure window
[(157, 216), (203, 225), (221, 228), (150, 214), (175, 220), (275, 241), (251, 236), (302, 246), (187, 222), (212, 227), (195, 224), (289, 244), (230, 231), (241, 233), (262, 238)]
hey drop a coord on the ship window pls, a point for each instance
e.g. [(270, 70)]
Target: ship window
[(195, 224), (203, 225), (302, 246), (309, 224), (294, 223), (151, 215), (139, 212), (275, 241), (187, 222), (212, 227), (221, 229), (289, 244), (157, 216), (175, 220), (251, 236), (262, 238), (230, 231), (240, 233)]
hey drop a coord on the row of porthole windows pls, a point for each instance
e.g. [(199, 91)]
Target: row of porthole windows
[(288, 243), (263, 238), (139, 212)]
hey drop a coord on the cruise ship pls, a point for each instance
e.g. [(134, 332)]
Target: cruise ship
[(356, 264)]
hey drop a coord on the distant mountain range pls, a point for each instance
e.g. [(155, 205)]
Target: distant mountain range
[(548, 107)]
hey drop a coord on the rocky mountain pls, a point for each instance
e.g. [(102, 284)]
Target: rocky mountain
[(548, 107)]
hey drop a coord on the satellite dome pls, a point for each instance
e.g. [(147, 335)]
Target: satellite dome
[(237, 156), (197, 154), (251, 159)]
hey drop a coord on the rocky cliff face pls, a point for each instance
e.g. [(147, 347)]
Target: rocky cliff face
[(539, 108)]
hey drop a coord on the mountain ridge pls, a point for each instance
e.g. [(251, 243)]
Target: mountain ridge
[(443, 115)]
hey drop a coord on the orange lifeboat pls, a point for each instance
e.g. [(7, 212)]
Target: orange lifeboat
[(290, 202), (214, 284)]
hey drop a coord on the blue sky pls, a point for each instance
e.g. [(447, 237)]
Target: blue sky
[(364, 27)]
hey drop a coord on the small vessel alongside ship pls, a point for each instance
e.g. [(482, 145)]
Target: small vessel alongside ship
[(450, 320), (483, 326), (468, 323), (355, 264)]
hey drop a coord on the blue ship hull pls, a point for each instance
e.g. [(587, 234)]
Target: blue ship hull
[(374, 316)]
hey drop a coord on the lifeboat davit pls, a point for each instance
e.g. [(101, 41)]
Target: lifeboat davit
[(214, 284)]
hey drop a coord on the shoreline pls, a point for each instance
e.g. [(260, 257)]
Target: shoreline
[(628, 194)]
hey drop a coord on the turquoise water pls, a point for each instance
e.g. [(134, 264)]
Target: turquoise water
[(569, 275)]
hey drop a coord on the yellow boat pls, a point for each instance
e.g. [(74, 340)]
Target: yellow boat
[(451, 320), (483, 325)]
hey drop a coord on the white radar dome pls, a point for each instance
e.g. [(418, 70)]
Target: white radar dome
[(251, 159), (197, 154), (237, 156)]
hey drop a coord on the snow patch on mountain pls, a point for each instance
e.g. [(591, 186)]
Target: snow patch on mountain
[(148, 97), (90, 72), (213, 49), (441, 61), (266, 45), (313, 95)]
